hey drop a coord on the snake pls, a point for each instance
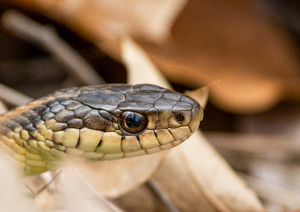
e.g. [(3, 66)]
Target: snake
[(96, 123)]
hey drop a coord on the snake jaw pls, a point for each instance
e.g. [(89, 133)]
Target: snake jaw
[(83, 124)]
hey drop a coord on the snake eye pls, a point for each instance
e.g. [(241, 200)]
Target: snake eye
[(132, 122)]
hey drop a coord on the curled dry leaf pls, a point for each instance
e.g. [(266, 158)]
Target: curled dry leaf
[(196, 178), (215, 178), (174, 180), (254, 59)]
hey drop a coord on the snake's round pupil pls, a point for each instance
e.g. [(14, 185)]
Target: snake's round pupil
[(133, 120)]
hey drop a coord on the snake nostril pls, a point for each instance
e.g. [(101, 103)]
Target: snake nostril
[(179, 118)]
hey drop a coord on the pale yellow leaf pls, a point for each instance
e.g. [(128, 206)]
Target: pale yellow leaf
[(215, 177), (200, 94), (140, 68), (115, 178), (14, 196)]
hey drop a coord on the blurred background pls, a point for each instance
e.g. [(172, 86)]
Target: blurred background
[(246, 52)]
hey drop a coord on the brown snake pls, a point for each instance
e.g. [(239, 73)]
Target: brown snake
[(95, 123)]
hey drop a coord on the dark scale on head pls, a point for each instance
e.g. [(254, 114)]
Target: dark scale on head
[(10, 124), (66, 102), (64, 116), (44, 111), (73, 105), (36, 120), (106, 115), (101, 100), (29, 127), (61, 99), (21, 120), (30, 114), (48, 116), (75, 123), (57, 108), (82, 111), (93, 120), (52, 103), (40, 109), (143, 96), (59, 127)]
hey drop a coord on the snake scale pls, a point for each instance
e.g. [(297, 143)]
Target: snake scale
[(95, 123)]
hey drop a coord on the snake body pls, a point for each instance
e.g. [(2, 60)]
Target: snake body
[(96, 123)]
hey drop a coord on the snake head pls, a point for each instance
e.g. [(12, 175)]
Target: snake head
[(146, 118), (95, 123)]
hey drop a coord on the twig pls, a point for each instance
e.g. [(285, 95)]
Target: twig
[(12, 96), (47, 38), (273, 193), (162, 196)]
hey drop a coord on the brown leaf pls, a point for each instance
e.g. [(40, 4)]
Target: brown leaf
[(253, 58)]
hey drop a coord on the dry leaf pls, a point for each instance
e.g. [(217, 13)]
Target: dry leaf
[(115, 178), (230, 41), (3, 109), (174, 180), (142, 199), (200, 94), (200, 162), (79, 196), (216, 178), (140, 67), (14, 196)]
